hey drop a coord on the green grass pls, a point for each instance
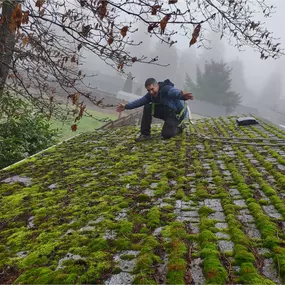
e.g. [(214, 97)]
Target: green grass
[(84, 125)]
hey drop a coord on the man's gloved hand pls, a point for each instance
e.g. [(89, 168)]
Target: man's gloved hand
[(187, 96), (120, 107)]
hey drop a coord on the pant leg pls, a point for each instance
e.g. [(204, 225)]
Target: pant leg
[(171, 123), (146, 120)]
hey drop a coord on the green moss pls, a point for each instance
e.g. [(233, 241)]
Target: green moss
[(153, 217), (36, 276), (98, 244), (170, 174), (206, 236), (180, 194), (127, 256), (149, 243), (175, 271), (143, 198), (205, 211), (242, 255), (249, 275), (122, 243), (125, 228), (143, 278), (213, 270), (124, 205)]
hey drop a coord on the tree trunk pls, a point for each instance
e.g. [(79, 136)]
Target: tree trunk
[(7, 42)]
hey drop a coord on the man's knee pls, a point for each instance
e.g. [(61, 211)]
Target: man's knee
[(167, 134), (168, 131)]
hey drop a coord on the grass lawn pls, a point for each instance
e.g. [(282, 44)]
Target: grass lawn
[(84, 125)]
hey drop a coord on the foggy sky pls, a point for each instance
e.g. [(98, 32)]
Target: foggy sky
[(257, 71)]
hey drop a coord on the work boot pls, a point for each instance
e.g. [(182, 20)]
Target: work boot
[(179, 130), (143, 138)]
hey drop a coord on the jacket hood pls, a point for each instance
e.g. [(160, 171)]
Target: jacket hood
[(165, 82)]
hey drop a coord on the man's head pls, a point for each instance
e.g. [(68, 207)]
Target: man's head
[(152, 86)]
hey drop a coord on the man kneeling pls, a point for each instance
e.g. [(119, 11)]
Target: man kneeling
[(163, 101)]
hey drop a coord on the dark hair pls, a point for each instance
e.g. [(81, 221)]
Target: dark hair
[(150, 81)]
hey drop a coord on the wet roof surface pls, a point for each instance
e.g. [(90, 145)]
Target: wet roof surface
[(206, 206)]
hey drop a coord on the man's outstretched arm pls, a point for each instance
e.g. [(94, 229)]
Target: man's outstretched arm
[(134, 104), (175, 93)]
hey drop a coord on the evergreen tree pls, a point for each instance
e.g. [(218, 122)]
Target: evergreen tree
[(167, 56), (215, 50), (186, 66), (214, 85), (139, 90), (272, 91), (128, 86)]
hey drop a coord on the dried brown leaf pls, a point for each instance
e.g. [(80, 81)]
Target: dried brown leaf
[(164, 22), (42, 12), (40, 3), (73, 59), (120, 66), (25, 40), (3, 19), (195, 34), (110, 40), (124, 31), (154, 9), (74, 127), (102, 10), (25, 18), (16, 18)]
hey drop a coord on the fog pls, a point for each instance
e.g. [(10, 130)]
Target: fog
[(257, 73)]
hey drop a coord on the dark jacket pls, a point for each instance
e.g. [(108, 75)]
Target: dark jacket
[(167, 95)]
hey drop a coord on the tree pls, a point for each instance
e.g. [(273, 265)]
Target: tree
[(139, 90), (143, 51), (214, 85), (272, 91), (42, 41), (215, 49), (128, 86), (186, 66), (167, 56), (23, 132)]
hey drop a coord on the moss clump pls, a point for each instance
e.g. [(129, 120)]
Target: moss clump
[(153, 217), (249, 275), (98, 244), (40, 275), (125, 228), (124, 205), (206, 236), (170, 174), (180, 194), (143, 278), (213, 270), (174, 230), (127, 256), (145, 261), (205, 211), (122, 244), (242, 255), (175, 271), (143, 198)]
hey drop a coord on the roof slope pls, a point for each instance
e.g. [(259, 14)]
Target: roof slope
[(101, 208)]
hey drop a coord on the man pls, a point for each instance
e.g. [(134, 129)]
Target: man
[(162, 101)]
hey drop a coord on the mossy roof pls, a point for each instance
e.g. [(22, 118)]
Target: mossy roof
[(205, 206)]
